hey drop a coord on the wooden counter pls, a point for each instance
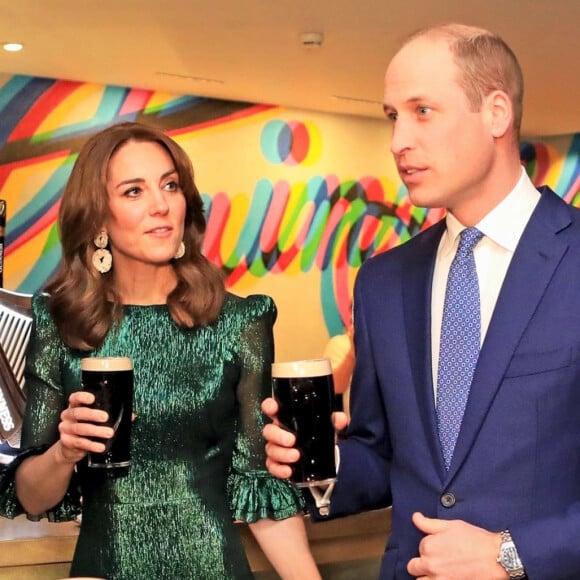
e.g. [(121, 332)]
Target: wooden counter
[(359, 537), (36, 550), (43, 551)]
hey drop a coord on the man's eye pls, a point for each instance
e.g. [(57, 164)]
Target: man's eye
[(424, 110)]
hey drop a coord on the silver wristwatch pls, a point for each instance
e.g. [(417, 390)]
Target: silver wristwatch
[(508, 557)]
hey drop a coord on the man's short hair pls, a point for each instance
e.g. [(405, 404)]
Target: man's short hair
[(486, 64)]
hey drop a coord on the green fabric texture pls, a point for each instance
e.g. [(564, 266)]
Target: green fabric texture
[(196, 447)]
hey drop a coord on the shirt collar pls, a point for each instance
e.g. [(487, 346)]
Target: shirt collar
[(506, 222)]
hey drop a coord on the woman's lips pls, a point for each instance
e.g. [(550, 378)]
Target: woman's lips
[(160, 231)]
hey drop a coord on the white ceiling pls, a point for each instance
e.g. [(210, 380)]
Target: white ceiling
[(252, 49)]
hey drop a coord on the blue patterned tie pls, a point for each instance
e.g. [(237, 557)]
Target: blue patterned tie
[(460, 338)]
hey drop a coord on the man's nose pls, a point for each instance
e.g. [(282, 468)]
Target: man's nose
[(401, 138)]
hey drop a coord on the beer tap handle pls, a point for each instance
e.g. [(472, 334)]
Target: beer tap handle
[(2, 233), (321, 495)]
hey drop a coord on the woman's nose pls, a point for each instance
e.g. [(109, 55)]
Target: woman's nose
[(159, 202)]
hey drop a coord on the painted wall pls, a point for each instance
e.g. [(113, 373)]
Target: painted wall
[(296, 200)]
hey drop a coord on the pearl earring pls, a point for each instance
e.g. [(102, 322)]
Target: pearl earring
[(180, 251)]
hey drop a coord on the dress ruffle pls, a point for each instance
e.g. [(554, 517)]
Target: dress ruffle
[(255, 496), (66, 510)]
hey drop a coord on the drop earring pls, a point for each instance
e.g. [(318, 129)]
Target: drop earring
[(180, 251), (102, 258)]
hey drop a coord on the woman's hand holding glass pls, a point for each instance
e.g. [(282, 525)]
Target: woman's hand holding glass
[(80, 429)]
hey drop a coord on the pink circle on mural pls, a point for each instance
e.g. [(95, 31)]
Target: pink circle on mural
[(300, 143)]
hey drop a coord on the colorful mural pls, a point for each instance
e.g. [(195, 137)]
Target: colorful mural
[(287, 193)]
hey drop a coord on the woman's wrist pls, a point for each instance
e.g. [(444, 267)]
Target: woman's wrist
[(60, 455)]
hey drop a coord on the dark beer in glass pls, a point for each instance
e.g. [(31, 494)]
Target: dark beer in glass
[(304, 391), (110, 379)]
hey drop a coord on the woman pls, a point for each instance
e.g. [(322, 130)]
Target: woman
[(133, 282)]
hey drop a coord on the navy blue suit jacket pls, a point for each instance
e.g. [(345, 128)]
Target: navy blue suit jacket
[(517, 459)]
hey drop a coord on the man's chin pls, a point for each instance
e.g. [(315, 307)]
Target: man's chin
[(421, 198)]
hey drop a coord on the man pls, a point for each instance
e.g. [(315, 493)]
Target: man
[(499, 497)]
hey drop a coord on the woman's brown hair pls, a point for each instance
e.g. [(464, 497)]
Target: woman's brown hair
[(84, 303)]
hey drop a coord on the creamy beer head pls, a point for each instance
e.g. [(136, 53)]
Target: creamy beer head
[(104, 364), (319, 367)]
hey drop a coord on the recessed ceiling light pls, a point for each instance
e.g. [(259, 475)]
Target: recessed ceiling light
[(12, 46), (312, 39)]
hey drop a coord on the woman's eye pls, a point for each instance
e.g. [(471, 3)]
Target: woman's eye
[(132, 192), (172, 186)]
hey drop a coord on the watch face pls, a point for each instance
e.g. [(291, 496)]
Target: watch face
[(509, 557)]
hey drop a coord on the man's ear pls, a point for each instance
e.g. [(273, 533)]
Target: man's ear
[(500, 113)]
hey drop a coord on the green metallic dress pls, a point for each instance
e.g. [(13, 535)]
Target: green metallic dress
[(197, 450)]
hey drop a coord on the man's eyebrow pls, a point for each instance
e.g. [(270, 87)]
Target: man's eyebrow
[(416, 100)]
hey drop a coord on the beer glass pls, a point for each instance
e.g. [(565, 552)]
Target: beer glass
[(110, 379), (304, 391)]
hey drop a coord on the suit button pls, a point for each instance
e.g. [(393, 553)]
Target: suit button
[(448, 500)]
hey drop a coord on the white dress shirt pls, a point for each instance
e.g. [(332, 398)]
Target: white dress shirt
[(502, 228)]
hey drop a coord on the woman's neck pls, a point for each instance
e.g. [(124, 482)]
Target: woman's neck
[(146, 287)]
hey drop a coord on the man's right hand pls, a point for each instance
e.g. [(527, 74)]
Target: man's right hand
[(280, 450)]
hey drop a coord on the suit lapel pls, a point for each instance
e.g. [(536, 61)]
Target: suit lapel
[(534, 262), (417, 307)]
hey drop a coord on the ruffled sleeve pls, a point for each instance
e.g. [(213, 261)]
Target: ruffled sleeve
[(45, 400), (259, 495), (66, 510), (253, 492)]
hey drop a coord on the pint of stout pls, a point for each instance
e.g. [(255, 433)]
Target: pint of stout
[(111, 381), (304, 391)]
